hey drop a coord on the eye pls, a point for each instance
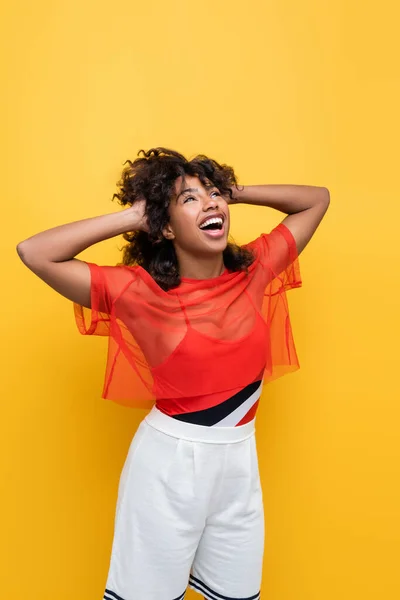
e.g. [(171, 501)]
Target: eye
[(188, 199), (216, 192)]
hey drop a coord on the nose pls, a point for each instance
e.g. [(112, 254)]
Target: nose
[(210, 203)]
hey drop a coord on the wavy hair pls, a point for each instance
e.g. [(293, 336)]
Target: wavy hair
[(152, 176)]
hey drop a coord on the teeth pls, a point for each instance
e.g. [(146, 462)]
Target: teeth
[(216, 220)]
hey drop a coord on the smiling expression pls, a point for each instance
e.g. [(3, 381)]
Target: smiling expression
[(199, 218)]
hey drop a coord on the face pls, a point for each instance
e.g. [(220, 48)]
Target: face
[(199, 218)]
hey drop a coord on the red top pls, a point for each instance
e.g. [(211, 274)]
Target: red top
[(193, 346)]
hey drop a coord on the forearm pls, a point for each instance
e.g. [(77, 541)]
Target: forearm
[(289, 199), (66, 241)]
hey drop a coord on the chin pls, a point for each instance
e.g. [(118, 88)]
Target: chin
[(204, 246), (217, 247)]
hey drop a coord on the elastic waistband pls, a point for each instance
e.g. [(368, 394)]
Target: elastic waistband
[(199, 433)]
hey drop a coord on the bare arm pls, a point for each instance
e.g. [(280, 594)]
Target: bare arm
[(305, 206), (51, 254)]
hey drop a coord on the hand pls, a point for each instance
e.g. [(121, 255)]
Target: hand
[(139, 218), (235, 196)]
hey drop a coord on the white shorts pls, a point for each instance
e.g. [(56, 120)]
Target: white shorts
[(189, 512)]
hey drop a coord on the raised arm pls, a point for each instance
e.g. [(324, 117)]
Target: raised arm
[(305, 206), (51, 254)]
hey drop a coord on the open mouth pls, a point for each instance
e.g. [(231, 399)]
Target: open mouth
[(212, 224), (213, 227)]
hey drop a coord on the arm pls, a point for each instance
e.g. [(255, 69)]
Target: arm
[(305, 206), (50, 254)]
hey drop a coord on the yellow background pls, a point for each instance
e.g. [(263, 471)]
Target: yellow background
[(286, 92)]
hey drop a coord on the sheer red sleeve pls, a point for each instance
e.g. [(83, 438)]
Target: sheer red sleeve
[(277, 254), (115, 301), (277, 271), (104, 288)]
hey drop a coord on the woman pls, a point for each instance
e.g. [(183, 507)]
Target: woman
[(196, 325)]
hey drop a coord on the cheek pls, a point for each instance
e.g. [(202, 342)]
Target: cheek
[(183, 222)]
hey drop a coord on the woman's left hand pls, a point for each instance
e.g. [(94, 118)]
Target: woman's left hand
[(235, 196)]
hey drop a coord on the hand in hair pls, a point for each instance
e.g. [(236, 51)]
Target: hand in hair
[(140, 217)]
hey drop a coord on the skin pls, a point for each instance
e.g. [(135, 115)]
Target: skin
[(51, 254), (199, 252)]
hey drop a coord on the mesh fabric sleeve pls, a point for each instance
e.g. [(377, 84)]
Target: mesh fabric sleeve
[(106, 284), (278, 257), (129, 312), (277, 271)]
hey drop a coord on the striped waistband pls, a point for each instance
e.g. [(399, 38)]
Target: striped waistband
[(199, 433)]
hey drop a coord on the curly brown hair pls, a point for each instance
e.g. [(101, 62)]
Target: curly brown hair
[(153, 176)]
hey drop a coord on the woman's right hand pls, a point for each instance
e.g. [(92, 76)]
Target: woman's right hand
[(139, 218)]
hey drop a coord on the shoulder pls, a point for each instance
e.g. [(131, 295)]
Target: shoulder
[(112, 279), (279, 237), (114, 272)]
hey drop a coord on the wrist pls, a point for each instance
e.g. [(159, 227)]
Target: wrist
[(135, 217), (128, 220)]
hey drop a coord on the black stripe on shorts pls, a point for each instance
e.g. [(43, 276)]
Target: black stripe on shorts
[(109, 595), (208, 593), (215, 414)]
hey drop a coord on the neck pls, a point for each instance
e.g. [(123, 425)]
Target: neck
[(200, 268)]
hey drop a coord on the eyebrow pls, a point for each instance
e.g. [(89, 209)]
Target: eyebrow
[(190, 190)]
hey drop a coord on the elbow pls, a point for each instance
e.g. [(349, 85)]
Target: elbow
[(325, 195), (32, 256), (21, 247), (25, 253)]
